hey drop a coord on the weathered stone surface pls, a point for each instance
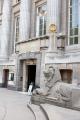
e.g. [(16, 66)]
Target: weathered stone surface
[(38, 99), (59, 113), (76, 98), (55, 88)]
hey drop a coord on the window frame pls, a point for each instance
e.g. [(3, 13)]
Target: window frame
[(17, 28), (38, 21), (73, 36)]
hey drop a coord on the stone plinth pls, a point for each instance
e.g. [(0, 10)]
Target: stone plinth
[(76, 98), (38, 99)]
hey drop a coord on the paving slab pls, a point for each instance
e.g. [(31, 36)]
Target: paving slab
[(2, 112), (59, 113), (14, 106)]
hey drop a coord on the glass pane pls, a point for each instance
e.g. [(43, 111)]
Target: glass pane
[(41, 10), (76, 40), (73, 21), (70, 11), (71, 32), (41, 20), (71, 41), (74, 13), (70, 24), (17, 28), (40, 33), (70, 2), (44, 25), (70, 18), (76, 31)]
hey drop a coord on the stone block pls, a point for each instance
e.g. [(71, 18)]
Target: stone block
[(76, 98), (40, 99)]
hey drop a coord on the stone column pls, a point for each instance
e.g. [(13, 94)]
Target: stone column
[(24, 20), (52, 6), (25, 76), (6, 29), (18, 73)]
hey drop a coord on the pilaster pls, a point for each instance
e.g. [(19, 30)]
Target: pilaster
[(6, 29), (24, 77), (24, 20), (52, 6)]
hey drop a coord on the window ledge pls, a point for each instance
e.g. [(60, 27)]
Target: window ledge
[(73, 48), (33, 39)]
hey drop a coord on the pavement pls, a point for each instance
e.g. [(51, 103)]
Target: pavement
[(13, 106), (59, 113), (16, 105)]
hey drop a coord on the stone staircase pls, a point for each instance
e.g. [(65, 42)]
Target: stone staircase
[(38, 112), (52, 112)]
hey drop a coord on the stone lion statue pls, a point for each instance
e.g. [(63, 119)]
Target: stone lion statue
[(55, 88), (48, 74)]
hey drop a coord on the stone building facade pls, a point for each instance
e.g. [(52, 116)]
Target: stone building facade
[(35, 34)]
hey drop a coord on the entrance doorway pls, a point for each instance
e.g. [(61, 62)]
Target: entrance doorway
[(5, 77), (31, 75)]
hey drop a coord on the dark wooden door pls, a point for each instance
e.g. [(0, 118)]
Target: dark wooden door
[(5, 77)]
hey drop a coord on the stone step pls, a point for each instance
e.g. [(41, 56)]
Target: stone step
[(58, 113), (37, 111)]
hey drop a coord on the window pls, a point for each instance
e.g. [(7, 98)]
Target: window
[(41, 20), (17, 19), (73, 22)]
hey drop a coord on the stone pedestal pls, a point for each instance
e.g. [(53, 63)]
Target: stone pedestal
[(39, 99), (76, 98), (52, 42)]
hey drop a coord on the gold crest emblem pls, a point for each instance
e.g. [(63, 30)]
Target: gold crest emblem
[(52, 28)]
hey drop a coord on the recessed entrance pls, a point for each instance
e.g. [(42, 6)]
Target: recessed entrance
[(5, 77), (31, 75)]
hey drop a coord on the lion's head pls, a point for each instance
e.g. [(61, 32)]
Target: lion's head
[(49, 73)]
